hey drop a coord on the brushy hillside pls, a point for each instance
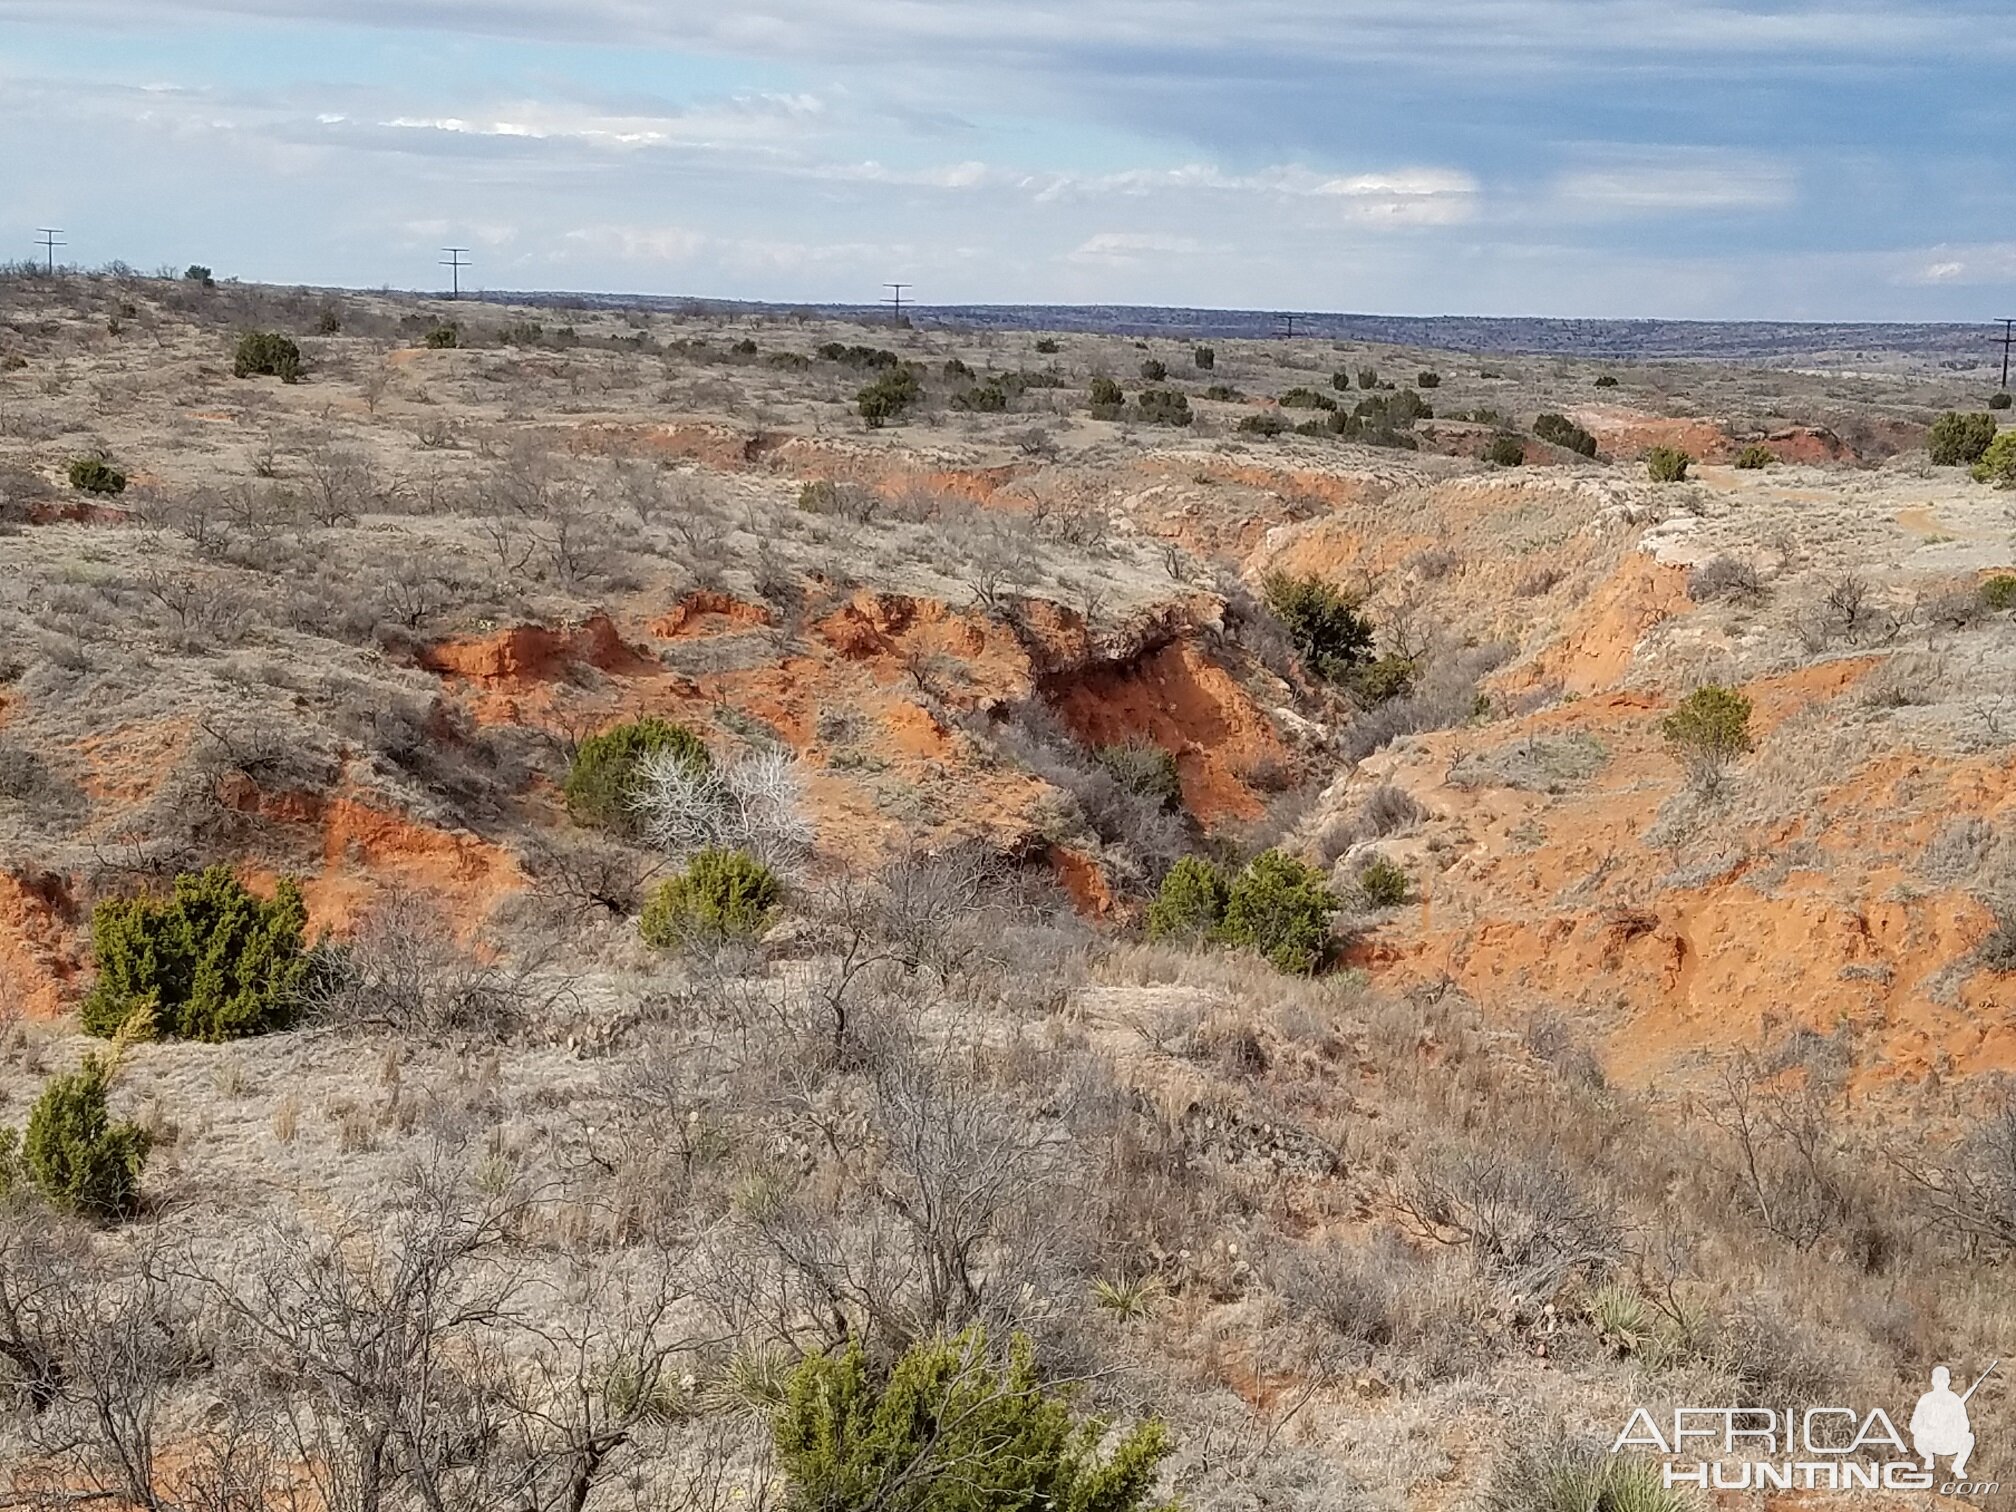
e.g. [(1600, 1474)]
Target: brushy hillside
[(1283, 929)]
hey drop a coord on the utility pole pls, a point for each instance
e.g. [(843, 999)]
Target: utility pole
[(895, 299), (50, 243), (2008, 340), (1284, 325), (453, 261)]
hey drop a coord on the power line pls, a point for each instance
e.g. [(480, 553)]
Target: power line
[(50, 243), (895, 299), (453, 261)]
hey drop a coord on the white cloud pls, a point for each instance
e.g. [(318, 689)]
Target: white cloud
[(1110, 248), (1638, 181), (1958, 266), (744, 120), (1413, 196)]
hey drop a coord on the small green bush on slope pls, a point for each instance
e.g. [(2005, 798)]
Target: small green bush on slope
[(73, 1154), (946, 1429), (208, 962), (1959, 440), (603, 775), (1276, 905), (1324, 620), (267, 354), (722, 895)]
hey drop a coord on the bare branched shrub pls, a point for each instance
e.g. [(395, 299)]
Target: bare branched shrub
[(387, 1336), (951, 1222), (403, 970), (1388, 810), (1724, 577), (755, 803), (1849, 607), (1526, 1213), (1786, 1161)]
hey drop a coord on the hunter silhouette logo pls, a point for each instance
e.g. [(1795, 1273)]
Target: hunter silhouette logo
[(1939, 1423), (1820, 1448)]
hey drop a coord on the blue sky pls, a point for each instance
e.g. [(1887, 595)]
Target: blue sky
[(1827, 159)]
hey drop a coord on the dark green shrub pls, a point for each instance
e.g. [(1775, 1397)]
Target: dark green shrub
[(73, 1154), (1190, 906), (1266, 423), (1163, 407), (872, 358), (1707, 730), (1998, 462), (601, 781), (1391, 676), (328, 323), (957, 371), (93, 475), (1383, 884), (1667, 464), (1328, 628), (1368, 424), (1154, 371), (1048, 346), (1306, 398), (1223, 392), (722, 895), (208, 962), (1279, 907), (1998, 593), (1340, 380), (1143, 769), (1368, 378), (947, 1429), (746, 347), (1390, 411), (986, 399), (1559, 430), (1997, 950), (1606, 381), (1508, 451), (888, 396), (196, 273), (2000, 401), (267, 354), (444, 338), (1959, 440), (1205, 358), (1427, 378), (1755, 457)]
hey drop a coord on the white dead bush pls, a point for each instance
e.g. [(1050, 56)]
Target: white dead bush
[(755, 803)]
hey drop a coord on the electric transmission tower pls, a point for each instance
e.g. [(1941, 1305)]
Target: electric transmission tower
[(50, 243), (895, 301), (454, 263)]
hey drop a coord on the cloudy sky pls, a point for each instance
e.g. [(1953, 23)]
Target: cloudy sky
[(1800, 159)]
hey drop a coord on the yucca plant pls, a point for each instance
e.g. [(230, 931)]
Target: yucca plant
[(1130, 1298), (752, 1383)]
